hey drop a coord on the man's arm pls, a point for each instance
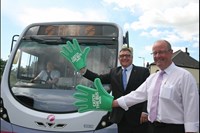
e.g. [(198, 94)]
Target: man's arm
[(115, 103), (83, 70)]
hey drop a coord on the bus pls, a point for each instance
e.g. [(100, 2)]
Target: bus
[(28, 107)]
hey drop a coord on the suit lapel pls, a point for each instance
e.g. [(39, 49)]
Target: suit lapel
[(132, 77), (119, 79)]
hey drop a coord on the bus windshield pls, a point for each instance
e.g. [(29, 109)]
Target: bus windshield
[(41, 44)]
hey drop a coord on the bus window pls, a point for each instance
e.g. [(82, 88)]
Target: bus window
[(23, 67), (32, 60)]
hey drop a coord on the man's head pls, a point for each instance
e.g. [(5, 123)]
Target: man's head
[(162, 54), (125, 56), (50, 66)]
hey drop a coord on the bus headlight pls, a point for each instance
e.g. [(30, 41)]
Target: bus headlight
[(4, 116), (103, 123), (3, 111)]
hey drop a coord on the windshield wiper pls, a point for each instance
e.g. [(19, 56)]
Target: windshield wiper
[(48, 41), (56, 40)]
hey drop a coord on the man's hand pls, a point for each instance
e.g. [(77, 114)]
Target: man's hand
[(143, 117), (73, 53), (88, 99), (32, 81)]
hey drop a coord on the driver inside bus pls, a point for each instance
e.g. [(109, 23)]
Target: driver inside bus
[(48, 76)]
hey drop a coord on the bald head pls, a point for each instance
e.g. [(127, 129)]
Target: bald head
[(162, 54), (164, 43)]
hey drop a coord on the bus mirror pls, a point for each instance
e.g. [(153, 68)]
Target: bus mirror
[(13, 40), (16, 58), (126, 39)]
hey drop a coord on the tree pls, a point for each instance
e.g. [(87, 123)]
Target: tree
[(3, 63)]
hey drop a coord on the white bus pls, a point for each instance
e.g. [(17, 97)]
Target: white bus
[(37, 107)]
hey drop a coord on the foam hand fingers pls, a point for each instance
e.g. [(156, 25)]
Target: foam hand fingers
[(73, 53), (64, 51), (85, 53), (84, 89), (106, 98), (76, 45), (99, 86)]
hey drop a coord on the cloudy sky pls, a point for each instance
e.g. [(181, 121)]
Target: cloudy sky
[(146, 20)]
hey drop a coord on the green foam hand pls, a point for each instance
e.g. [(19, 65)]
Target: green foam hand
[(73, 53), (88, 99)]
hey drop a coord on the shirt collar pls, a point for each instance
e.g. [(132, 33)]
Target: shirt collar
[(128, 68), (169, 69)]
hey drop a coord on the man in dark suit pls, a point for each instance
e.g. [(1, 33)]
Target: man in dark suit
[(135, 119)]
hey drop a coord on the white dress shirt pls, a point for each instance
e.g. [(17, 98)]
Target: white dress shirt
[(178, 99), (43, 75)]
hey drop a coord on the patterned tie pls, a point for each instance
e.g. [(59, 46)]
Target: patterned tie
[(154, 103), (124, 78)]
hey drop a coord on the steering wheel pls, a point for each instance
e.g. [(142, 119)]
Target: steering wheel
[(39, 81)]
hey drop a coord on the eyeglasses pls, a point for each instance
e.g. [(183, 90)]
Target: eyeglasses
[(124, 55), (160, 52)]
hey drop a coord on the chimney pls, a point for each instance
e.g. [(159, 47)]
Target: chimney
[(186, 51), (147, 65)]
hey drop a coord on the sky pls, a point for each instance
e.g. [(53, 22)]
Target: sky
[(176, 21)]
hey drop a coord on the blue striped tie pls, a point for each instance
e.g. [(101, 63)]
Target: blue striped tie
[(124, 78)]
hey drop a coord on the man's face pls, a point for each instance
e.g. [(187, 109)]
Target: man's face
[(50, 66), (125, 58), (162, 55)]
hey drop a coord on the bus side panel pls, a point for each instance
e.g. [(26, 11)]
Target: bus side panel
[(18, 129), (5, 127), (111, 129)]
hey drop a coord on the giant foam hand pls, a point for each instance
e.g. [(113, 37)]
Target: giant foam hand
[(72, 52), (97, 98)]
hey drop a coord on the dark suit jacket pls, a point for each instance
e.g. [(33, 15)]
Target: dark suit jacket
[(114, 78)]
